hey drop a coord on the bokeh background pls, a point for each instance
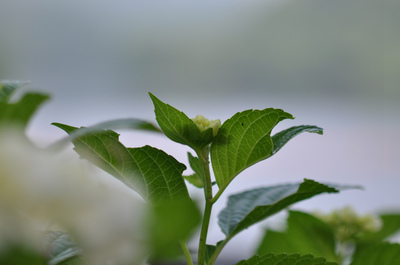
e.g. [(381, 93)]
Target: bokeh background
[(334, 64)]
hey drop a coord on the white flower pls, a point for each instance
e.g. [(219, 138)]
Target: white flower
[(203, 124), (38, 186)]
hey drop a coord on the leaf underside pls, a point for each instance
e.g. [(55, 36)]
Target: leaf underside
[(152, 173), (282, 137), (247, 208), (7, 88), (60, 247), (135, 124)]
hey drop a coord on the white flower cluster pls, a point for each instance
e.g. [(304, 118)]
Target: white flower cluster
[(38, 187), (203, 124)]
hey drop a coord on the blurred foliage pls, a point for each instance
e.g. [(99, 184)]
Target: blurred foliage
[(342, 236)]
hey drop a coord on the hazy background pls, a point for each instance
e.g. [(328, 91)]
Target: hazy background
[(330, 63)]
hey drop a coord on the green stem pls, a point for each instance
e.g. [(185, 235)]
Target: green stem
[(203, 156), (203, 234), (217, 251), (186, 252), (217, 195)]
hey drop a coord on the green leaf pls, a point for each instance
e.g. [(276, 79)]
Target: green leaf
[(210, 250), (284, 259), (155, 175), (74, 261), (242, 141), (109, 125), (60, 248), (169, 223), (195, 180), (305, 234), (18, 113), (7, 88), (198, 178), (249, 207), (282, 137), (18, 255), (382, 254), (178, 127), (390, 226)]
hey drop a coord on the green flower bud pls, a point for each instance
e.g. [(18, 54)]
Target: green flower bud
[(203, 124), (348, 225)]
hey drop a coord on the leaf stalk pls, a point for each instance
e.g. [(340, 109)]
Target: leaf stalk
[(186, 252), (203, 155)]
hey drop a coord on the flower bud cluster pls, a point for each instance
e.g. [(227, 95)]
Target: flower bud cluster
[(348, 225), (203, 124)]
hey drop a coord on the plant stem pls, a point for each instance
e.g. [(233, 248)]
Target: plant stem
[(217, 195), (186, 252), (203, 156), (203, 233)]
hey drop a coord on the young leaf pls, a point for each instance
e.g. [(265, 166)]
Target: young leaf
[(195, 180), (197, 167), (152, 173), (305, 234), (178, 127), (284, 259), (282, 137), (249, 207), (242, 141), (383, 253)]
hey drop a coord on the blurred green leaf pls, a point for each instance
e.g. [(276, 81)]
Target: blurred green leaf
[(169, 223), (249, 207), (7, 88), (242, 141), (155, 175), (390, 226), (60, 248), (18, 255), (305, 234), (178, 127), (74, 261), (20, 112), (282, 137), (382, 254), (284, 259), (135, 124)]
